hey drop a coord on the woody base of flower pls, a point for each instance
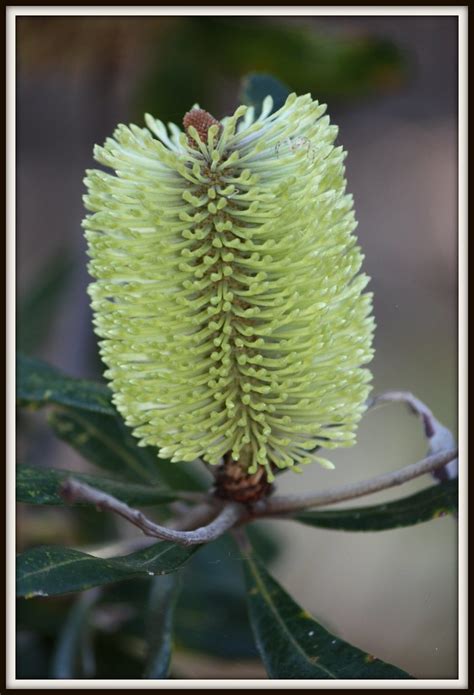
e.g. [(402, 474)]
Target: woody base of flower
[(233, 482)]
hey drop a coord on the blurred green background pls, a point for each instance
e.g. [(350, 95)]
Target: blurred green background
[(391, 85)]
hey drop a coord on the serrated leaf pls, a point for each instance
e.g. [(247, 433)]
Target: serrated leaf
[(160, 613), (293, 645), (109, 444), (256, 87), (432, 503), (38, 384), (37, 485), (52, 570)]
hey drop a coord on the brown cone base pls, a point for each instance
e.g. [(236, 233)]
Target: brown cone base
[(234, 483)]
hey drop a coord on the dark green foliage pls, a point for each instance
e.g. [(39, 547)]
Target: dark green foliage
[(106, 442), (436, 501), (85, 418), (38, 384), (293, 645), (41, 486), (50, 570), (210, 615), (109, 444)]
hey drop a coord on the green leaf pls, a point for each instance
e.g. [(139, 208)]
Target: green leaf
[(52, 570), (38, 309), (38, 384), (212, 578), (109, 444), (434, 502), (257, 86), (106, 442), (37, 485), (211, 616), (293, 645), (73, 656), (163, 596), (88, 422)]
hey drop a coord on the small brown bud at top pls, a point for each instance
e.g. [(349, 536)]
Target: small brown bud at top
[(201, 120)]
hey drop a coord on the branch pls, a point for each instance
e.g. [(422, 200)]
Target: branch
[(295, 503), (439, 437), (200, 515), (72, 491)]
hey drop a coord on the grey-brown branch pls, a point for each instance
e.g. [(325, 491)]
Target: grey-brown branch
[(295, 503), (232, 514), (217, 516), (439, 437), (75, 491)]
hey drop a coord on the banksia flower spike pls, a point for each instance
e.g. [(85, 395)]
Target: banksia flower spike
[(227, 291)]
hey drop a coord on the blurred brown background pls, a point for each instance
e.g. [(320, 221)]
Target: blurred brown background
[(392, 593)]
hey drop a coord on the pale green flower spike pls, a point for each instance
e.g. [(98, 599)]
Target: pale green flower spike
[(227, 293)]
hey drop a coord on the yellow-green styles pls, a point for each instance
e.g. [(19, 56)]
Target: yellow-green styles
[(227, 292)]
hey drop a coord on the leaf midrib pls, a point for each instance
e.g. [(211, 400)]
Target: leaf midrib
[(121, 453), (266, 595), (118, 562)]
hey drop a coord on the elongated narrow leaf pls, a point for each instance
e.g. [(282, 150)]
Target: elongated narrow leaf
[(106, 442), (293, 645), (109, 444), (432, 503), (38, 383), (73, 656), (163, 596), (257, 86), (51, 570), (87, 421), (35, 485)]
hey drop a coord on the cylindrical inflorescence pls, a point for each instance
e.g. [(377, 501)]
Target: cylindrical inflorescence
[(227, 291)]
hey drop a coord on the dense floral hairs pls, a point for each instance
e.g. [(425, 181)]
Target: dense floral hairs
[(227, 291)]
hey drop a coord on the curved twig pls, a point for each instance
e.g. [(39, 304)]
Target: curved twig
[(295, 503), (73, 490), (439, 437), (214, 517)]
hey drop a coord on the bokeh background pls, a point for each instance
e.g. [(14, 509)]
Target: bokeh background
[(391, 85)]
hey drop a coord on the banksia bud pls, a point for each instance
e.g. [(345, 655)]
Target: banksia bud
[(228, 297)]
